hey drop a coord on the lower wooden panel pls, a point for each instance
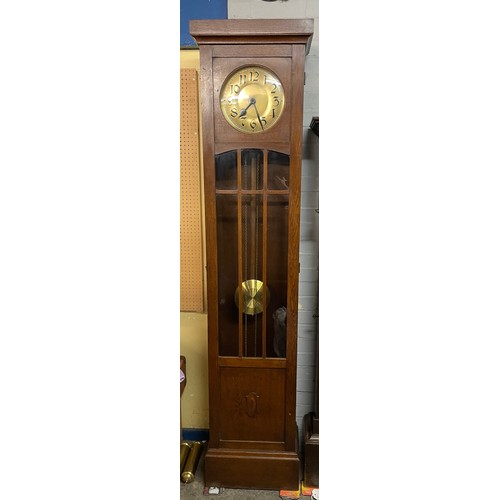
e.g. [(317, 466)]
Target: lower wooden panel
[(252, 408), (252, 470)]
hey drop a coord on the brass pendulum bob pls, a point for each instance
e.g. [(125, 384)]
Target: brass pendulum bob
[(252, 292)]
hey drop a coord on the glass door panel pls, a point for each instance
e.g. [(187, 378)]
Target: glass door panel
[(252, 252), (227, 267), (278, 171), (277, 271), (253, 292), (252, 169), (226, 170)]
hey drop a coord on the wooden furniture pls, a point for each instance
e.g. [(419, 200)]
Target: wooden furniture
[(252, 88)]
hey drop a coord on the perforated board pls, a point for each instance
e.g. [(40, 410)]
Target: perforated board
[(191, 250)]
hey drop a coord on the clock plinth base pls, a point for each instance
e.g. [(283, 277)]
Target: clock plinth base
[(262, 470)]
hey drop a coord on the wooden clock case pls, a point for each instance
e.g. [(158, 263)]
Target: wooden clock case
[(253, 439)]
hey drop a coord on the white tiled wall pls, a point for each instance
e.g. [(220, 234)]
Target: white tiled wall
[(309, 254)]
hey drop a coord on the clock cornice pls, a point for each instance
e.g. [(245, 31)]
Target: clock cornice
[(267, 31)]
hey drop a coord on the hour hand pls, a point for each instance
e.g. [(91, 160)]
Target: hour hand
[(243, 112)]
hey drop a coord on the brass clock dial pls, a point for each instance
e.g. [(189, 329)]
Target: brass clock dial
[(252, 99)]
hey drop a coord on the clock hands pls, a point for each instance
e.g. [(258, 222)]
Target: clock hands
[(252, 102), (243, 112)]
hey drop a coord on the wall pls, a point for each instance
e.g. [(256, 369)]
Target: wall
[(193, 345), (198, 9), (193, 332)]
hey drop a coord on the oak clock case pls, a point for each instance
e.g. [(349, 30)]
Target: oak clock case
[(252, 83)]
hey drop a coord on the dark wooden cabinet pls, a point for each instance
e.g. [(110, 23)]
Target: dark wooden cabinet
[(252, 88)]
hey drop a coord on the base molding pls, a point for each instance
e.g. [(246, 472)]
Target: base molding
[(263, 470)]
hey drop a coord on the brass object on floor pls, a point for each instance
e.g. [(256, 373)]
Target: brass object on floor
[(252, 291), (185, 449), (189, 472)]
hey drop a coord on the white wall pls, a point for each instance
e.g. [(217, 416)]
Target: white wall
[(308, 321)]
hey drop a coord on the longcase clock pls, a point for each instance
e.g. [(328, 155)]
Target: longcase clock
[(252, 90)]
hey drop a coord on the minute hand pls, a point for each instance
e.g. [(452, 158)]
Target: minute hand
[(257, 112)]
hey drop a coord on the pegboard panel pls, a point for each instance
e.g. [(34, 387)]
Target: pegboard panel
[(191, 251)]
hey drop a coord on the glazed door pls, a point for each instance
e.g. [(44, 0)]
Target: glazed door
[(252, 208)]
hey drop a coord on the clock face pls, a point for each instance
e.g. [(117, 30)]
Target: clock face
[(252, 99)]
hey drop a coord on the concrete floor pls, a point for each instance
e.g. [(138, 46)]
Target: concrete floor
[(195, 489)]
